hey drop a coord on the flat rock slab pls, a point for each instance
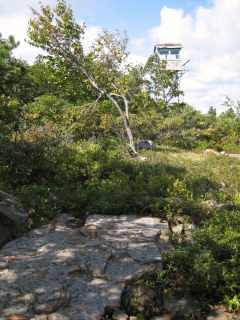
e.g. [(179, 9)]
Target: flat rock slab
[(61, 272), (233, 155)]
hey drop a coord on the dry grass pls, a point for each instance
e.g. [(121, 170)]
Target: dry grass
[(207, 176)]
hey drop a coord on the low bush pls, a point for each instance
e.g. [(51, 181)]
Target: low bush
[(209, 268)]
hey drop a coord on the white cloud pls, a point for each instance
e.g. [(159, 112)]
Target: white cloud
[(173, 25), (16, 24), (14, 17), (8, 7), (211, 41), (138, 44), (90, 35), (136, 59)]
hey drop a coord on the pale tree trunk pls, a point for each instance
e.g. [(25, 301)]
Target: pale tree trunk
[(129, 133), (125, 119)]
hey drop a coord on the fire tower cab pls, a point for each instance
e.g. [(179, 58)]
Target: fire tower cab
[(171, 53)]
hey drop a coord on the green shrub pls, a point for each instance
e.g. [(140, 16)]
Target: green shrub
[(25, 162), (40, 203), (210, 267)]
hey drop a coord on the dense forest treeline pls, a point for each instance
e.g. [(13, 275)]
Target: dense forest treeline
[(57, 102), (69, 126)]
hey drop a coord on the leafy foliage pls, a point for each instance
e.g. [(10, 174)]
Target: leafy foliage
[(162, 83), (15, 87), (208, 268)]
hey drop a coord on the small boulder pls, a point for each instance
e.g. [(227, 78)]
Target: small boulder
[(147, 144), (187, 304), (142, 158), (119, 315), (13, 218), (212, 151), (56, 316), (222, 315), (222, 185)]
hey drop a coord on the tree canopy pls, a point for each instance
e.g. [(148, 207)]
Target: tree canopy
[(56, 32)]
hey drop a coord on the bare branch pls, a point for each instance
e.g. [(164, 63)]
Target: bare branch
[(91, 106)]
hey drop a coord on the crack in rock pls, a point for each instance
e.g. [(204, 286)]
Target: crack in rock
[(75, 273)]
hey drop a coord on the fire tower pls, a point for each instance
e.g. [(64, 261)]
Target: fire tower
[(171, 53)]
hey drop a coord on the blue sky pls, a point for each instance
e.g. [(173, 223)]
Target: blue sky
[(208, 29), (137, 16)]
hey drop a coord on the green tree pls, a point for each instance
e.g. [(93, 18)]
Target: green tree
[(64, 83), (9, 66), (15, 87), (56, 32), (162, 83)]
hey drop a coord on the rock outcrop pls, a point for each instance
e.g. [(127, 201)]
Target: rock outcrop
[(13, 218), (66, 273), (147, 144), (221, 206), (231, 155)]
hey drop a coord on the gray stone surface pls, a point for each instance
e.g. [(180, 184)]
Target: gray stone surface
[(119, 315), (221, 206), (13, 218), (233, 155), (10, 208), (180, 306), (147, 144), (163, 317), (222, 315), (60, 273)]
